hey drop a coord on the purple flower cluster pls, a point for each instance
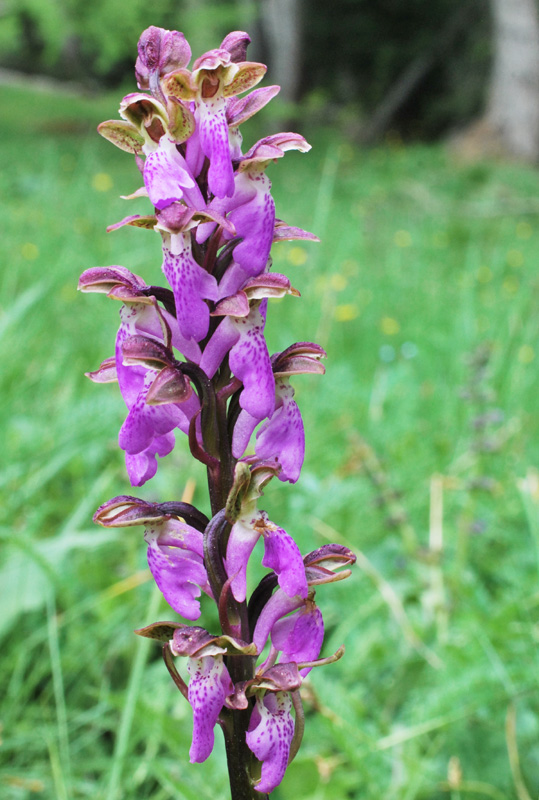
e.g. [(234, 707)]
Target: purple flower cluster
[(191, 356)]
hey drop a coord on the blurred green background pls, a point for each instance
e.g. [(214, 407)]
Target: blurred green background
[(422, 448)]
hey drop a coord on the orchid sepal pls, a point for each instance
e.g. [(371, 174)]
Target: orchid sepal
[(147, 221), (106, 373), (123, 134), (125, 511), (170, 386), (159, 631), (103, 279), (196, 642)]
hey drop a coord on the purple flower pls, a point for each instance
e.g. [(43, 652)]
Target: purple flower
[(243, 338), (147, 430), (299, 637), (270, 735), (250, 207), (241, 334), (190, 282), (281, 553), (209, 687), (191, 285), (167, 177), (210, 684), (281, 438), (215, 77), (175, 558), (278, 606)]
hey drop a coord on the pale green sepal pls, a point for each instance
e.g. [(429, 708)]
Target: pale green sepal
[(122, 134)]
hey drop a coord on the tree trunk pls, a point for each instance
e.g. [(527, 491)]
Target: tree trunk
[(513, 106), (281, 28)]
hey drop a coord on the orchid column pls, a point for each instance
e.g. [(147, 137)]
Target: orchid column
[(191, 356)]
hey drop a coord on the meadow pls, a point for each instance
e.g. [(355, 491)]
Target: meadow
[(422, 456)]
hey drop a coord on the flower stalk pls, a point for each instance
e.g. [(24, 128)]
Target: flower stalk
[(191, 357)]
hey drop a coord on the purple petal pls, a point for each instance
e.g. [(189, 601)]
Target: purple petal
[(254, 221), (279, 605), (144, 422), (130, 379), (194, 157), (209, 686), (167, 177), (282, 555), (269, 737), (211, 118), (239, 110), (250, 362), (300, 636), (187, 347), (282, 436), (225, 337), (191, 285), (243, 429), (236, 43), (232, 280), (241, 542), (177, 566), (143, 466), (175, 533)]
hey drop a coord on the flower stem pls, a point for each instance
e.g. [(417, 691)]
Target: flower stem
[(242, 764), (239, 757)]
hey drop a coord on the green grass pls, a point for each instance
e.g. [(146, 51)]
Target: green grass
[(425, 264)]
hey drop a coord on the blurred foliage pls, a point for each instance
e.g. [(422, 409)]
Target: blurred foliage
[(97, 40), (354, 50), (424, 292)]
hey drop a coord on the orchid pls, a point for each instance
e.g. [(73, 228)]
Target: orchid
[(191, 358)]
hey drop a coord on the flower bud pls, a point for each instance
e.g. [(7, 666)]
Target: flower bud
[(236, 43), (160, 52)]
